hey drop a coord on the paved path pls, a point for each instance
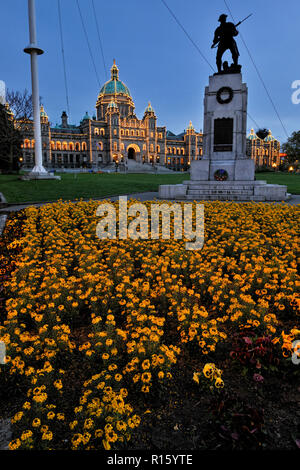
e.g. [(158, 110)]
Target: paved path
[(147, 196)]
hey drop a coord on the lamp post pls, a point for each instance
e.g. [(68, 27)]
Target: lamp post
[(34, 51)]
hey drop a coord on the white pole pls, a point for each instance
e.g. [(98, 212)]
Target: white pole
[(34, 51)]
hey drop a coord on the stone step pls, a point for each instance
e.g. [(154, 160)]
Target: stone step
[(224, 192), (206, 187), (222, 197)]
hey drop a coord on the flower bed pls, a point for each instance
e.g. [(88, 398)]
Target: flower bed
[(98, 332)]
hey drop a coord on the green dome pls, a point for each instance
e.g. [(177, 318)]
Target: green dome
[(252, 135), (114, 85), (269, 137)]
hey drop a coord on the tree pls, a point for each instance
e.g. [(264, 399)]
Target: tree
[(262, 133), (20, 104), (292, 147), (10, 142)]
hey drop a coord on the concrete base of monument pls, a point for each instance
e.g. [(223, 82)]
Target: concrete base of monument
[(39, 176), (236, 170), (243, 190)]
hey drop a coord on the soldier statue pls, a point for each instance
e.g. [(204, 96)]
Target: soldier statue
[(224, 36)]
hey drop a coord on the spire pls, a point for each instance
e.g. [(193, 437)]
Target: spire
[(149, 108), (114, 71)]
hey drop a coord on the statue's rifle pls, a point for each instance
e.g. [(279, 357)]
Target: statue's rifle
[(236, 25)]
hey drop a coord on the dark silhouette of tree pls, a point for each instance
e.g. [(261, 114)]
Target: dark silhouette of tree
[(292, 147), (10, 143), (262, 133), (20, 103)]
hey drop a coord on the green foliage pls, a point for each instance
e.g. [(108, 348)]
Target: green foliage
[(292, 147), (10, 143)]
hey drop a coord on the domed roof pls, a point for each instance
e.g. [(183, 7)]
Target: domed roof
[(269, 137), (252, 135), (114, 85), (149, 108), (43, 112)]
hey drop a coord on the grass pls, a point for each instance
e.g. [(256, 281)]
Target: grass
[(291, 180), (83, 185), (93, 185)]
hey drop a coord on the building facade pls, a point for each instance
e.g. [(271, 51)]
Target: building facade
[(265, 152), (114, 134)]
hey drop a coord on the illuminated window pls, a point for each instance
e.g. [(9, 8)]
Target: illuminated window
[(58, 145), (151, 147), (143, 133), (102, 131), (137, 133), (122, 131), (144, 147), (83, 145), (32, 144), (127, 132), (96, 131), (132, 132), (77, 147), (27, 144), (64, 146), (115, 131), (158, 148), (71, 146), (115, 146)]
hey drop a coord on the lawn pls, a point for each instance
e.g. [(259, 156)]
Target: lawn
[(292, 181), (94, 185), (84, 185), (126, 345)]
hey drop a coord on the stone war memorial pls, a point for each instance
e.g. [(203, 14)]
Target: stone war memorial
[(225, 172)]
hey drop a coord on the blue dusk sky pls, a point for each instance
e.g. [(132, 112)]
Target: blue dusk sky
[(155, 58)]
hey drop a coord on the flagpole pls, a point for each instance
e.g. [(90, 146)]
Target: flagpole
[(34, 51)]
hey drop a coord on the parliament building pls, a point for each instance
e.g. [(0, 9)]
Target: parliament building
[(114, 134)]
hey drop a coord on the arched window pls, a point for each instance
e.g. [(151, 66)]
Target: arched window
[(115, 131), (100, 145), (27, 144), (138, 133), (71, 146), (77, 147), (96, 131), (83, 146), (58, 145), (122, 147), (64, 146), (144, 147), (122, 131), (174, 150), (182, 151), (127, 132), (158, 148), (115, 146), (102, 131), (151, 148), (32, 143), (143, 133), (132, 132)]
